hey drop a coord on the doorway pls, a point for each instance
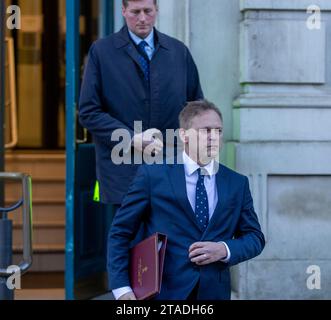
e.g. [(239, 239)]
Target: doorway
[(39, 61)]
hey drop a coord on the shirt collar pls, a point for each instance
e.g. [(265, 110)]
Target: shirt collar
[(149, 39), (191, 166)]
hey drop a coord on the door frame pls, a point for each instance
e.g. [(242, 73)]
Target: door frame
[(2, 92), (72, 89), (73, 71)]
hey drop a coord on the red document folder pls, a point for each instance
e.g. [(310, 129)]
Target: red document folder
[(146, 266)]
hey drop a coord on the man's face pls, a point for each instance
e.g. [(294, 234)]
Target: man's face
[(140, 17), (203, 140)]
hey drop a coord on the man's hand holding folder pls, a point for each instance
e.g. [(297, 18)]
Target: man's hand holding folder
[(146, 268)]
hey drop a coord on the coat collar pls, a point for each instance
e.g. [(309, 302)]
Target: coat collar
[(122, 38), (149, 40)]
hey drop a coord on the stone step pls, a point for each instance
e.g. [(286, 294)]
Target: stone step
[(41, 190), (46, 165), (47, 259), (40, 294), (43, 280), (41, 225), (42, 213), (39, 249), (47, 170), (43, 234)]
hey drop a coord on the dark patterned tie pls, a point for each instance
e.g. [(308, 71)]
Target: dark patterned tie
[(201, 202), (143, 59)]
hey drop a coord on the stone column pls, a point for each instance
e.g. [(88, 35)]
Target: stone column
[(282, 129)]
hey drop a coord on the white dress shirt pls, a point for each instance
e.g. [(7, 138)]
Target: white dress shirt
[(191, 177)]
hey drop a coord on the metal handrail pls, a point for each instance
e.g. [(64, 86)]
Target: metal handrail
[(85, 138), (12, 86), (26, 263)]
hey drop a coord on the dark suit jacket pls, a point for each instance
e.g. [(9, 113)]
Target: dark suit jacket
[(114, 95), (158, 198)]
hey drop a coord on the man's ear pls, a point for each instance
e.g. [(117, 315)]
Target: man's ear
[(182, 135)]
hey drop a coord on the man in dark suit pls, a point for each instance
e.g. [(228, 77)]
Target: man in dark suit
[(204, 208), (137, 74)]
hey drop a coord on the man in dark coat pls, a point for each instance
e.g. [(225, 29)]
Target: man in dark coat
[(137, 74)]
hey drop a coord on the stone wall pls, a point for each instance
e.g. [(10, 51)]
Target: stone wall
[(282, 124)]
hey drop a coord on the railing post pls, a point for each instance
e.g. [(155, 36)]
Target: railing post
[(2, 93), (5, 225), (6, 228), (5, 257), (72, 89)]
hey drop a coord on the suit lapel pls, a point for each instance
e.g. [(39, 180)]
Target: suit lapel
[(123, 41), (178, 183), (161, 41), (133, 54)]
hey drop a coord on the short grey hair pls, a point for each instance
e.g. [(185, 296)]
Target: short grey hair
[(194, 108), (126, 2)]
